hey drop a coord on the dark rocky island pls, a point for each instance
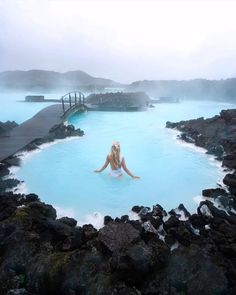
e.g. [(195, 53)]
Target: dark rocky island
[(119, 101), (174, 253)]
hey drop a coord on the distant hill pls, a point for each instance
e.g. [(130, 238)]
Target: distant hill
[(46, 81), (39, 80), (222, 90)]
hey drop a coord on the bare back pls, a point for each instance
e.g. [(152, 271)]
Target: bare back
[(112, 163), (116, 165)]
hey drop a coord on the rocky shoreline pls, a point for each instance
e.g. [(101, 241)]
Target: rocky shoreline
[(161, 253), (218, 136)]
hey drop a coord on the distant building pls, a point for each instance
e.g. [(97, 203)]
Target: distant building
[(165, 99), (168, 99), (34, 98)]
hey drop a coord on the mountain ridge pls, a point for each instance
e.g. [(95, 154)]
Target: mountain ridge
[(223, 89), (48, 80), (36, 80)]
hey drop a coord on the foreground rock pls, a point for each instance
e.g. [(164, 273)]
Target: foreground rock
[(44, 255)]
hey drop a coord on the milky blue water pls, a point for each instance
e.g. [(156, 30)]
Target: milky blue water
[(13, 107), (171, 173)]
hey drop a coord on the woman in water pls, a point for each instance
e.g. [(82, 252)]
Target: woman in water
[(116, 161)]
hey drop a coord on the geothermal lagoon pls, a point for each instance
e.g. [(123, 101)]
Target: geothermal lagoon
[(172, 172)]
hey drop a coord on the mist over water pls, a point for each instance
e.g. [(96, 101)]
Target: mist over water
[(14, 108)]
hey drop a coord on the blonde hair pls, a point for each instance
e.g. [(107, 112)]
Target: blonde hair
[(115, 153)]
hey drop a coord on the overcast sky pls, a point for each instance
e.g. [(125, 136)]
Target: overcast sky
[(122, 40)]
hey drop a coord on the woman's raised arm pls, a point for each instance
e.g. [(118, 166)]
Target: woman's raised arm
[(104, 166), (123, 164)]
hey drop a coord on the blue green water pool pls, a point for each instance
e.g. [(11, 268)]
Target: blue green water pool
[(171, 173)]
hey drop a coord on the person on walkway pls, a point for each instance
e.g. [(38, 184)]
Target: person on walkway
[(116, 162)]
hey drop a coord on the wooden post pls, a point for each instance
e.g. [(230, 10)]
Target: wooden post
[(80, 98), (63, 105), (70, 100), (75, 98)]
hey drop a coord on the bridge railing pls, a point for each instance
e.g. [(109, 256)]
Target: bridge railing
[(71, 100)]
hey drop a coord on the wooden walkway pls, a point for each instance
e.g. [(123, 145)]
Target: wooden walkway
[(36, 127), (39, 125)]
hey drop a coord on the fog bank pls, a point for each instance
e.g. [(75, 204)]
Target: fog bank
[(121, 40)]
